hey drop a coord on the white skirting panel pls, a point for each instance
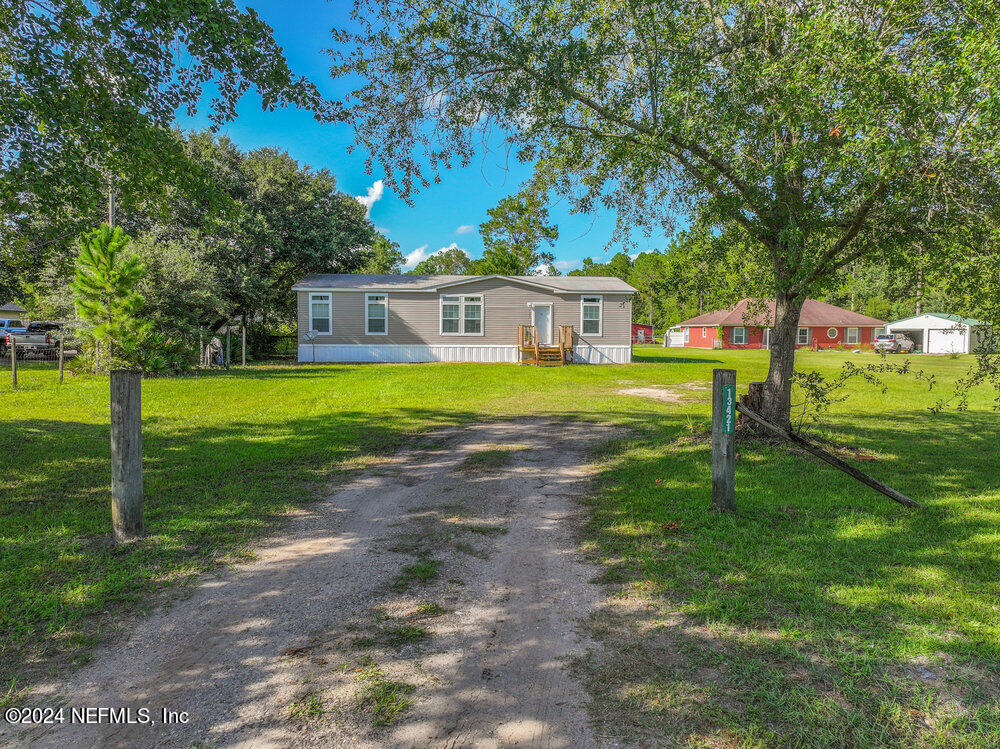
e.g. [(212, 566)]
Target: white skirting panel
[(332, 352), (587, 354)]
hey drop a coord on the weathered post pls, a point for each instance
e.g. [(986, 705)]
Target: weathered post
[(243, 345), (126, 455), (724, 440), (201, 350), (61, 361), (229, 348), (13, 360)]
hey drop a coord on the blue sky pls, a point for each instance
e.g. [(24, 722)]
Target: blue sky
[(442, 214)]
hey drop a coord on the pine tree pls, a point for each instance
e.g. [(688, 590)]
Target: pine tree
[(105, 296)]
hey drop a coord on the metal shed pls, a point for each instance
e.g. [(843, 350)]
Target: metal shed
[(940, 333)]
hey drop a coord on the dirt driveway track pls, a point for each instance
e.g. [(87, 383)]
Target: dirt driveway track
[(447, 577)]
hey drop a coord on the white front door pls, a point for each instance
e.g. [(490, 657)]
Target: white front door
[(541, 318)]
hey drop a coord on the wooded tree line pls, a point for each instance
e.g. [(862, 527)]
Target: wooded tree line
[(235, 258), (700, 271)]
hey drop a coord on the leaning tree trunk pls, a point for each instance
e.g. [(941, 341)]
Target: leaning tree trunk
[(776, 402)]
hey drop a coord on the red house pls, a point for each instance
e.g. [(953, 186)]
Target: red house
[(642, 333), (747, 325)]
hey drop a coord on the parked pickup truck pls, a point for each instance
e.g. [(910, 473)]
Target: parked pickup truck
[(10, 326), (894, 343), (37, 339)]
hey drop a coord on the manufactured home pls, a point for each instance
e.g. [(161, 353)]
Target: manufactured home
[(421, 318)]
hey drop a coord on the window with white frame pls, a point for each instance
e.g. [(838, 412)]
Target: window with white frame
[(831, 333), (803, 339), (704, 332), (376, 314), (851, 336), (687, 335), (461, 315), (738, 336), (319, 312), (591, 314)]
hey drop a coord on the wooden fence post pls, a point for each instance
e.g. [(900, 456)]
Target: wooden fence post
[(13, 360), (724, 440), (126, 455), (243, 344), (61, 361)]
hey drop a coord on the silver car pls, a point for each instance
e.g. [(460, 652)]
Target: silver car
[(895, 343)]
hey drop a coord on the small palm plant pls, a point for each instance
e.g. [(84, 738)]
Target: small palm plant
[(106, 298)]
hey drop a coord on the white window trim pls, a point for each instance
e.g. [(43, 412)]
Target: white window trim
[(857, 336), (600, 319), (385, 304), (704, 332), (798, 336), (745, 336), (687, 335), (833, 337), (461, 314), (329, 305)]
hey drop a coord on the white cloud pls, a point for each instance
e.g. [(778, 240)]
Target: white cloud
[(465, 229), (420, 254), (542, 269), (374, 195), (565, 265), (417, 256)]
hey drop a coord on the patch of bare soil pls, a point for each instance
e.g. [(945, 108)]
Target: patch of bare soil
[(418, 605), (682, 393)]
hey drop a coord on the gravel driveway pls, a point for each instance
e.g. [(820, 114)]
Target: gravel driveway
[(433, 601)]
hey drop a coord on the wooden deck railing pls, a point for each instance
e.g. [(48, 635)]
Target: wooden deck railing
[(528, 343)]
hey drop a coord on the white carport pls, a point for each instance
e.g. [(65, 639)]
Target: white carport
[(938, 333)]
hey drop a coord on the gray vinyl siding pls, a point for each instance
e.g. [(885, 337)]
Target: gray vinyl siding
[(414, 317)]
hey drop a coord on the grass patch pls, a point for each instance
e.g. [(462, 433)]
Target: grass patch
[(405, 634), (421, 572), (384, 698), (431, 609), (486, 460), (486, 530), (308, 707)]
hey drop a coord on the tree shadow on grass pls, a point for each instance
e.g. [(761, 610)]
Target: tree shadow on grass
[(820, 612), (645, 358), (209, 490)]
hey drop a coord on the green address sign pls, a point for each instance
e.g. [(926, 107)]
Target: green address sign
[(728, 409)]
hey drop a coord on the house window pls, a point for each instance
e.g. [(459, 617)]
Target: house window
[(738, 337), (803, 339), (704, 332), (461, 315), (590, 315), (831, 333), (376, 314), (687, 334), (851, 336), (319, 312)]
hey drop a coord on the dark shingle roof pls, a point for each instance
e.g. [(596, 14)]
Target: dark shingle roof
[(413, 282), (11, 307), (757, 312)]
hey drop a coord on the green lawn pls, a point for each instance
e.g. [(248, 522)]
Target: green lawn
[(820, 613)]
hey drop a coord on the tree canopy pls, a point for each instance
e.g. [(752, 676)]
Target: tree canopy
[(513, 237), (827, 132), (89, 90)]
